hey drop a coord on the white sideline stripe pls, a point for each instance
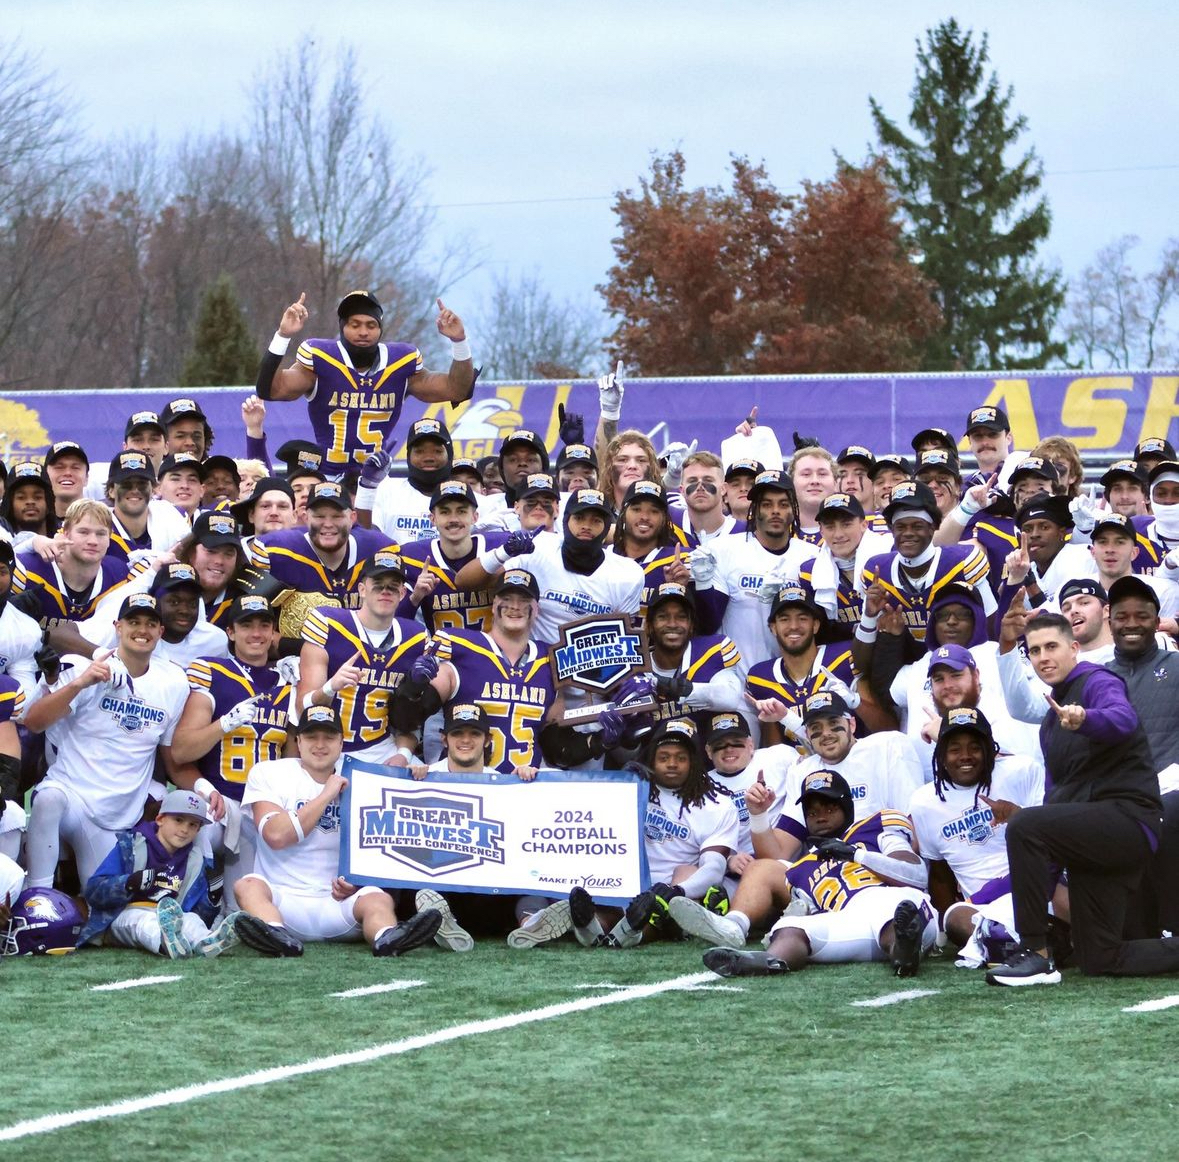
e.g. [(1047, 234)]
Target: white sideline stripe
[(895, 998), (171, 1097), (368, 990), (685, 988), (1153, 1006), (138, 982)]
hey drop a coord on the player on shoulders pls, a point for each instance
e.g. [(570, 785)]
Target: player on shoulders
[(356, 385)]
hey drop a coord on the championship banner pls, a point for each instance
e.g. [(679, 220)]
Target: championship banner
[(1104, 411), (493, 833)]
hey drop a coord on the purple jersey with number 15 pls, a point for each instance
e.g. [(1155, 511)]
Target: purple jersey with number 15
[(352, 411)]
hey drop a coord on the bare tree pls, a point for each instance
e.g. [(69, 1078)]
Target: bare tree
[(335, 185), (524, 333), (1119, 319)]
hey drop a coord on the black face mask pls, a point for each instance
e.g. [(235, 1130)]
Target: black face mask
[(426, 480), (362, 357), (583, 556)]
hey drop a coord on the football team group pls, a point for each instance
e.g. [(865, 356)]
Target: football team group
[(892, 701)]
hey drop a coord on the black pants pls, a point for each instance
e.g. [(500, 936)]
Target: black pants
[(1105, 851)]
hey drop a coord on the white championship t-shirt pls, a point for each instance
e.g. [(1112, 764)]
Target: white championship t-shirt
[(675, 834), (775, 764)]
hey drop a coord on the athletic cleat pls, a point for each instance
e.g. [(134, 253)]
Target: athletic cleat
[(698, 921), (268, 939), (1025, 968), (628, 932), (171, 917), (716, 899), (408, 934), (908, 926), (548, 924), (584, 917), (221, 938), (451, 935), (730, 962)]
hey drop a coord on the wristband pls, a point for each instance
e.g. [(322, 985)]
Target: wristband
[(460, 351), (366, 497), (760, 824), (867, 636), (279, 344), (405, 753), (203, 787), (294, 818), (869, 620), (963, 511), (492, 559), (609, 413), (328, 689)]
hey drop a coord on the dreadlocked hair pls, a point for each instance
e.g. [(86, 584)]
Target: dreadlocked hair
[(698, 788), (941, 778)]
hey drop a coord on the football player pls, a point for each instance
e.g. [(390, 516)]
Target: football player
[(646, 534), (400, 508), (142, 526)]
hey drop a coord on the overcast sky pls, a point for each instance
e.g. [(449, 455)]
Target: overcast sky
[(530, 115)]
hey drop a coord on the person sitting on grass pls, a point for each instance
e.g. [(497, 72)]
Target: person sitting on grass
[(151, 891), (857, 895), (294, 893)]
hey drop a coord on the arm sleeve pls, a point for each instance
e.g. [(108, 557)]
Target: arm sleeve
[(896, 871), (256, 449), (711, 871), (721, 692), (1108, 713), (1024, 701)]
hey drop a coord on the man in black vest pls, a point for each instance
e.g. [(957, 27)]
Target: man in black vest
[(1100, 820)]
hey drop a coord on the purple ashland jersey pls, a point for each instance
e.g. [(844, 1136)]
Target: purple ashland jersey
[(514, 698), (353, 412), (704, 657), (654, 565), (364, 709), (769, 679), (829, 884), (225, 682), (997, 535), (12, 701), (448, 607), (290, 557), (848, 599), (950, 563), (57, 603)]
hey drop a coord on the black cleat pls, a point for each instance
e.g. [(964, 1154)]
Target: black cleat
[(1025, 968), (581, 908), (908, 926), (730, 962), (268, 939), (628, 932), (409, 934)]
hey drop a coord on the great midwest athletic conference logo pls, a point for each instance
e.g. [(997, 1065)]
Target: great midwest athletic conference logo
[(597, 653), (432, 831)]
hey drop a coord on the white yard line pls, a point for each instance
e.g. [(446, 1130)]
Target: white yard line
[(369, 990), (895, 998), (685, 988), (138, 982), (1153, 1006), (187, 1093)]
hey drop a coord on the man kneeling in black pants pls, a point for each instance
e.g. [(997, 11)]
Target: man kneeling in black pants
[(1100, 820)]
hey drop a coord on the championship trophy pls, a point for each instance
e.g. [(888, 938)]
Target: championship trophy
[(596, 655)]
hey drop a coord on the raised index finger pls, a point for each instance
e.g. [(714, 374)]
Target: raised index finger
[(441, 304)]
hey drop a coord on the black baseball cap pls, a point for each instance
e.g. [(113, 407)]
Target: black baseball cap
[(726, 724), (771, 480), (241, 508), (857, 452), (589, 500), (646, 490), (181, 409), (1132, 586), (320, 718), (893, 460), (539, 484), (672, 591), (28, 472), (177, 575), (359, 302), (252, 605), (531, 439), (935, 458), (215, 528), (518, 581), (302, 458), (176, 460), (457, 715), (381, 562), (576, 454), (228, 463), (7, 553), (1114, 522), (127, 465), (681, 730), (839, 504), (826, 785), (795, 594), (327, 492), (429, 429), (744, 467), (466, 464), (1162, 468), (966, 718), (824, 704), (137, 420), (139, 603), (1044, 506), (1124, 470), (1034, 466), (1154, 446), (1079, 585), (453, 490), (66, 448), (940, 435), (992, 418), (908, 497)]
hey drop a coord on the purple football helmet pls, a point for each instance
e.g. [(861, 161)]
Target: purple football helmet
[(43, 921)]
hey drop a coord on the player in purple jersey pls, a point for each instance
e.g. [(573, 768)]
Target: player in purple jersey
[(360, 657), (432, 566), (356, 385), (328, 556), (647, 535), (858, 893), (504, 671), (70, 588)]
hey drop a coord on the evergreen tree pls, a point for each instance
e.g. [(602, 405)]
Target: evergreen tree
[(223, 353), (974, 219)]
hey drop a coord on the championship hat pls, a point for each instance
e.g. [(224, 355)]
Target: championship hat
[(1123, 470), (529, 438), (213, 529), (672, 591), (382, 562), (940, 435), (327, 492), (838, 505), (576, 454), (538, 484), (66, 448), (1154, 446), (187, 803), (175, 461), (456, 715), (1034, 466), (744, 467), (129, 465), (320, 718), (935, 459), (645, 490), (138, 420), (252, 605), (795, 595), (138, 603), (681, 730), (893, 460), (177, 575), (589, 500), (430, 429), (827, 785), (824, 704), (992, 418), (1110, 522), (909, 498), (181, 409), (727, 724), (518, 581), (453, 490)]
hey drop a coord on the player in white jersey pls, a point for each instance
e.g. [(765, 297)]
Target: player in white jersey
[(294, 893), (731, 572), (960, 821), (576, 577), (111, 717), (20, 635)]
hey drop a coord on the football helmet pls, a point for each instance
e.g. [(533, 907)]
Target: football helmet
[(43, 921)]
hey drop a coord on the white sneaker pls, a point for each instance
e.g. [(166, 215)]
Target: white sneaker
[(450, 935), (549, 923), (171, 917), (221, 938), (697, 920)]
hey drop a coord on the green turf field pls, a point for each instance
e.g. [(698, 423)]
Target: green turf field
[(782, 1068)]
